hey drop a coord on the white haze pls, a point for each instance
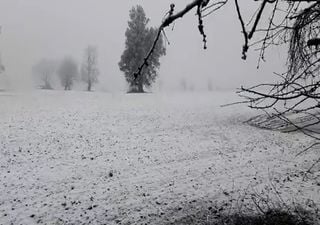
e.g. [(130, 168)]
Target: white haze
[(33, 29)]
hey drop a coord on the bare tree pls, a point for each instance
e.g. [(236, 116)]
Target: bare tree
[(44, 70), (67, 72), (89, 68)]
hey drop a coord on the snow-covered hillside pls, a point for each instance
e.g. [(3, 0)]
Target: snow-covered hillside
[(101, 158)]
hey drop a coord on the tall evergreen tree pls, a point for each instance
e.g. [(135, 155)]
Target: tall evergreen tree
[(139, 40)]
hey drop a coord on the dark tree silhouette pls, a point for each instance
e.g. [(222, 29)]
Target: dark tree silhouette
[(139, 39)]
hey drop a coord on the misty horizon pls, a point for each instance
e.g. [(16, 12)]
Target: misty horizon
[(32, 30)]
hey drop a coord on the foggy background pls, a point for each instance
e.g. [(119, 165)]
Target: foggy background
[(33, 29)]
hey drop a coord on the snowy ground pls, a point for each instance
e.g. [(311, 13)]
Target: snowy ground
[(100, 158)]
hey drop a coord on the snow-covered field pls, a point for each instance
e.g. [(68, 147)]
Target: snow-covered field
[(101, 158)]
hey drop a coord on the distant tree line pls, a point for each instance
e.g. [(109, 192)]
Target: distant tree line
[(68, 70), (140, 60), (139, 41)]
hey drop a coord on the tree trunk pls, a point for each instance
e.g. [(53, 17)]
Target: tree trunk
[(89, 86), (140, 86), (47, 85)]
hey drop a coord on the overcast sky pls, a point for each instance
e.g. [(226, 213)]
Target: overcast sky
[(32, 29)]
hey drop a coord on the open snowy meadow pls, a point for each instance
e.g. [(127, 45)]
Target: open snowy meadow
[(174, 158)]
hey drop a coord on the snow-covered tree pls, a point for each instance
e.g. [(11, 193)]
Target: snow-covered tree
[(89, 68), (67, 72), (139, 41)]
